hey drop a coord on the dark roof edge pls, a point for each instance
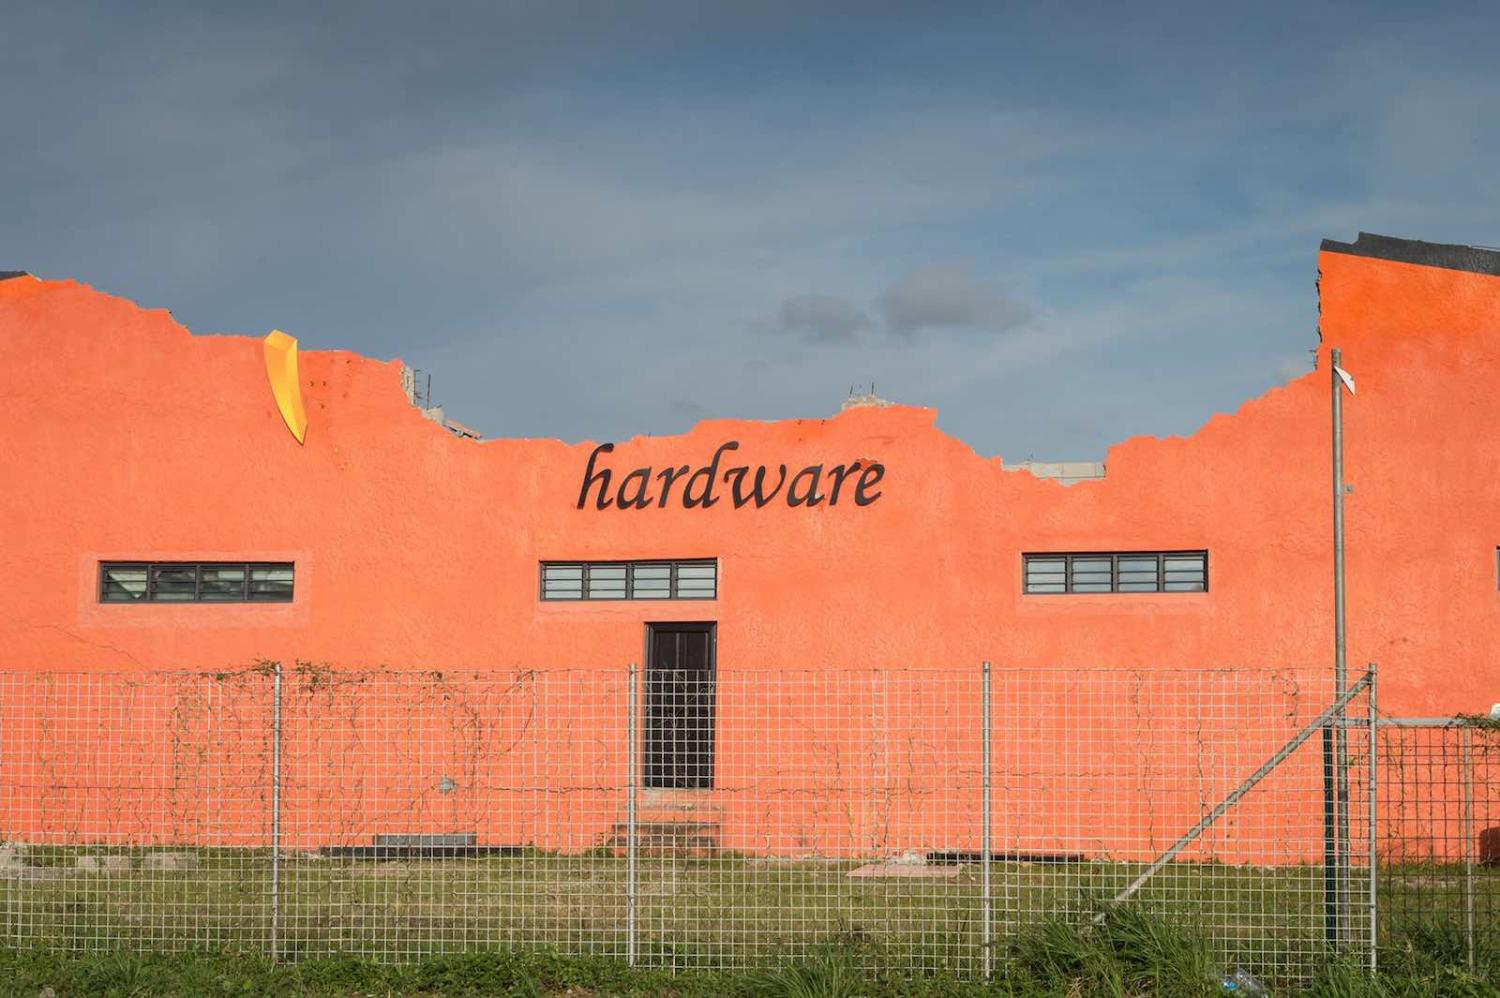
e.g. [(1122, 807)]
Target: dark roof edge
[(6, 275), (1445, 255)]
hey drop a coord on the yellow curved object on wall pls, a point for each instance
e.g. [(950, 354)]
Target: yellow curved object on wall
[(281, 368)]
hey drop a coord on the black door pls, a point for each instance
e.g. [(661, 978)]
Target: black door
[(679, 724)]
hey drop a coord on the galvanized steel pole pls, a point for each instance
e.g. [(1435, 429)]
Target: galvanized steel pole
[(1340, 677), (1330, 856), (1340, 673), (276, 812), (1373, 750), (1468, 742), (986, 919), (632, 711)]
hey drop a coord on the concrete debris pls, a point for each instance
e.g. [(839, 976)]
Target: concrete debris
[(865, 400), (899, 870), (30, 873), (170, 861), (1066, 472), (103, 864)]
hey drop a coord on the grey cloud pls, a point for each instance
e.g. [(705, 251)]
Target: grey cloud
[(937, 296), (944, 296), (822, 317)]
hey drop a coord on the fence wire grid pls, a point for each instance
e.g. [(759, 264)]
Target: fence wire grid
[(1439, 837), (726, 819)]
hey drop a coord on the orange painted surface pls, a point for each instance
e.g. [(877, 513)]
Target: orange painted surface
[(129, 439)]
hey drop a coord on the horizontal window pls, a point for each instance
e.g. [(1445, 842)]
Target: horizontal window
[(629, 580), (1117, 572), (195, 582)]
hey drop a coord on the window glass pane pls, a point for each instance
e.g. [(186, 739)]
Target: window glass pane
[(606, 582), (271, 583), (652, 581), (124, 583), (1195, 576), (1138, 574), (696, 580), (1179, 562), (221, 583), (1043, 577), (174, 583), (562, 582), (1046, 569), (1091, 575), (1146, 576), (1186, 573)]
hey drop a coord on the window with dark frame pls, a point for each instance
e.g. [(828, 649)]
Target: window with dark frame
[(572, 581), (195, 582), (1115, 572)]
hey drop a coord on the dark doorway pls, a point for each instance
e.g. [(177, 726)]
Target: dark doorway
[(679, 723)]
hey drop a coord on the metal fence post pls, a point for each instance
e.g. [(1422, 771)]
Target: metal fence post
[(1468, 833), (986, 917), (1330, 856), (1373, 750), (276, 812), (1340, 675), (632, 711)]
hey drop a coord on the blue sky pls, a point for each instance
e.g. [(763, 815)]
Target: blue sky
[(1058, 225)]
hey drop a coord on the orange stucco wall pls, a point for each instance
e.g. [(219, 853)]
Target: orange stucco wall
[(128, 438)]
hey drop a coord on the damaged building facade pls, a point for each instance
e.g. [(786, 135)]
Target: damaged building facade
[(159, 515)]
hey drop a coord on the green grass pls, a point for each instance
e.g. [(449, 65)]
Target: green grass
[(558, 919), (1129, 955)]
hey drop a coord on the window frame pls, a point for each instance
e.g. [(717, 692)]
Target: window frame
[(1114, 557), (673, 592), (152, 568)]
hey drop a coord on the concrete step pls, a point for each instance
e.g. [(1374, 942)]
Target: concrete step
[(675, 837)]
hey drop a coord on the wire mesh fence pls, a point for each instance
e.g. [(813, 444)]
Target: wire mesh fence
[(693, 818), (1438, 838)]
